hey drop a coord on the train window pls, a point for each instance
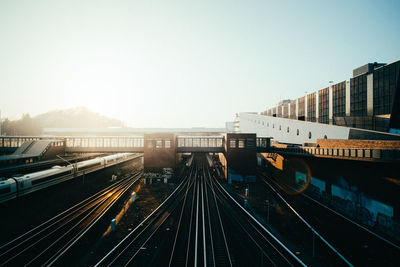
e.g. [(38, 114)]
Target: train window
[(298, 132), (167, 143), (309, 135), (232, 143), (158, 143)]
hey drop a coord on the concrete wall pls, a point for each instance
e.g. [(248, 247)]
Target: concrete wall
[(269, 127)]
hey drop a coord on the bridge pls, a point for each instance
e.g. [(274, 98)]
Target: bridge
[(160, 150), (172, 144)]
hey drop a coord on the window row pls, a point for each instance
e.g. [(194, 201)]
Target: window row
[(200, 142), (104, 142)]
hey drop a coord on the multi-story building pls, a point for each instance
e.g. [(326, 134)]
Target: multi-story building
[(369, 100)]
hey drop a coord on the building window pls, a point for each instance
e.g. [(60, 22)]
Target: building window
[(241, 143), (311, 107), (232, 143), (250, 142), (325, 137), (309, 135), (358, 95), (339, 100), (280, 128), (287, 129), (158, 143), (298, 132), (167, 143), (323, 106), (273, 125)]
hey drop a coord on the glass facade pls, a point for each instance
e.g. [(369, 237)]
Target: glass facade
[(302, 108), (385, 82), (339, 100), (286, 110), (385, 101), (292, 114), (358, 96), (323, 106), (279, 111), (311, 107)]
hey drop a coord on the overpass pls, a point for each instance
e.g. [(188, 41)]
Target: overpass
[(161, 150), (360, 150)]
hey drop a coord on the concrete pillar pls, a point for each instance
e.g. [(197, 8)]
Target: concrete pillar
[(370, 94), (347, 98)]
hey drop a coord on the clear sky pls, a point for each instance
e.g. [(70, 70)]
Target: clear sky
[(183, 63)]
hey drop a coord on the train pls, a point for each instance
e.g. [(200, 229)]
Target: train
[(17, 186)]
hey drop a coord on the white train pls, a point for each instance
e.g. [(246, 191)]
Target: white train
[(17, 186)]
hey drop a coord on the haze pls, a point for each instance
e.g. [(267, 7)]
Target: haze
[(179, 63)]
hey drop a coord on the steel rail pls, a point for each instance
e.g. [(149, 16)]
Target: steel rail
[(119, 191), (179, 225), (308, 225), (148, 218), (222, 189), (220, 219), (64, 218), (345, 218)]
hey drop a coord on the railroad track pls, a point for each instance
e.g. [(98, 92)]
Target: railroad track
[(48, 242), (358, 244), (200, 224)]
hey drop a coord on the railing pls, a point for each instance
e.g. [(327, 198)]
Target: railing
[(345, 153)]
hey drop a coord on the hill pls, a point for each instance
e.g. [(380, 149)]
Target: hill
[(80, 117)]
